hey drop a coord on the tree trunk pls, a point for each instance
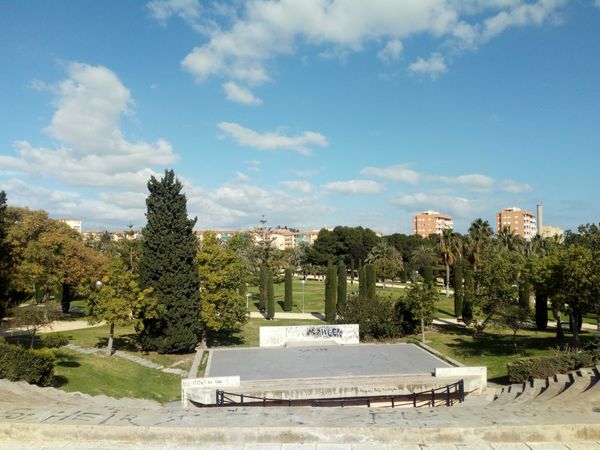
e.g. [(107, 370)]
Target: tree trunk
[(422, 329), (111, 336), (480, 327), (559, 331), (515, 340), (447, 280), (32, 339)]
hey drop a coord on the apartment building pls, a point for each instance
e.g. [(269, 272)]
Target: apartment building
[(73, 223), (518, 221), (431, 222), (281, 238)]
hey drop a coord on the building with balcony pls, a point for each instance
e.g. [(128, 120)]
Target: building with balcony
[(431, 222), (518, 221)]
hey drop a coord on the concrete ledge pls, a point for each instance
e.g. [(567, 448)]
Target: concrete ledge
[(111, 436), (475, 377)]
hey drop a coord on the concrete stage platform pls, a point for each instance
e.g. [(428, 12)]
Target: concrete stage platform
[(320, 361)]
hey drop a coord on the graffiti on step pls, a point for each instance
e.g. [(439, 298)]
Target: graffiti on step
[(323, 332)]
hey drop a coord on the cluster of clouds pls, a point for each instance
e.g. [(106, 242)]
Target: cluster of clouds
[(259, 31), (89, 150)]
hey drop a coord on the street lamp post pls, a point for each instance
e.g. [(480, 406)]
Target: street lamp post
[(302, 282), (247, 299)]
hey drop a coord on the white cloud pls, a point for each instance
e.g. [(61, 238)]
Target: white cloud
[(520, 15), (241, 176), (300, 186), (447, 203), (273, 141), (434, 66), (354, 187), (261, 30), (473, 180), (513, 187), (92, 150), (188, 10), (240, 94), (391, 51), (399, 173)]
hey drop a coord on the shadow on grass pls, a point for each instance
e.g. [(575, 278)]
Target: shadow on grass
[(68, 364), (225, 338), (59, 381), (126, 342)]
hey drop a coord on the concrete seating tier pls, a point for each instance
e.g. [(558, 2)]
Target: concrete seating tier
[(545, 412)]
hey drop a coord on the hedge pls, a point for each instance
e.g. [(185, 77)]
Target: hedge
[(526, 369), (54, 340), (33, 366)]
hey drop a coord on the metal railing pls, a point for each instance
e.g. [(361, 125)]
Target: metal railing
[(442, 396)]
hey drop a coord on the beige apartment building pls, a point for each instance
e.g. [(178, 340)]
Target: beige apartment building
[(73, 223), (520, 222), (280, 238), (431, 222)]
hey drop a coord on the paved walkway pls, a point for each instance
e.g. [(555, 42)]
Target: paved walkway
[(130, 357)]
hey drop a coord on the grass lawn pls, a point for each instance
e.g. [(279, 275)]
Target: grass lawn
[(116, 377), (314, 297), (494, 349), (248, 335)]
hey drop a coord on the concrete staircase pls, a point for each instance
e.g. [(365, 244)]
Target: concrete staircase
[(539, 414), (25, 395), (580, 385)]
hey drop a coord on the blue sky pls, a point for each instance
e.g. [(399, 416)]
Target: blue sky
[(313, 113)]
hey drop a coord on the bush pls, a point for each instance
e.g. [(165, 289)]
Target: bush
[(526, 369), (376, 317), (33, 366), (54, 340)]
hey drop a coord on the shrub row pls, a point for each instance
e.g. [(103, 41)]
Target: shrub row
[(526, 369), (54, 340), (33, 366)]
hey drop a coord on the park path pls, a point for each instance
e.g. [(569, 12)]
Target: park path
[(130, 357)]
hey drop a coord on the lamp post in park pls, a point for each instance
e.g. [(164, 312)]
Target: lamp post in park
[(247, 300), (302, 282)]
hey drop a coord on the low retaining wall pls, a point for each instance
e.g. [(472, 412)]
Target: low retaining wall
[(309, 334)]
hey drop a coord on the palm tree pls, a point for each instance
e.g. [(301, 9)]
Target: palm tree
[(447, 247), (479, 235), (386, 259), (510, 240)]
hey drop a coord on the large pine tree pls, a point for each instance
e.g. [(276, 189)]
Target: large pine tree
[(168, 266)]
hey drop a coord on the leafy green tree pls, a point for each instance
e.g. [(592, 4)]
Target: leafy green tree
[(347, 243), (120, 301), (168, 265), (524, 295), (330, 294), (270, 296), (496, 283), (262, 288), (468, 297), (458, 289), (288, 302), (371, 281), (35, 317), (428, 275), (222, 306), (386, 259), (342, 285), (47, 255), (4, 256), (421, 300)]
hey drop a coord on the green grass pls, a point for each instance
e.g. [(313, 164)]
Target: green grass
[(116, 377), (494, 349), (314, 297), (248, 335)]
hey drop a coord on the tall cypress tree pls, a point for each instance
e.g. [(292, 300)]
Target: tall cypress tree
[(371, 280), (262, 289), (469, 292), (428, 275), (167, 265), (342, 285), (288, 302), (524, 296), (458, 289), (362, 282), (352, 271), (330, 294), (541, 310), (270, 296)]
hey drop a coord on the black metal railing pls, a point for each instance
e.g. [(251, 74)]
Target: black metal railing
[(442, 396)]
